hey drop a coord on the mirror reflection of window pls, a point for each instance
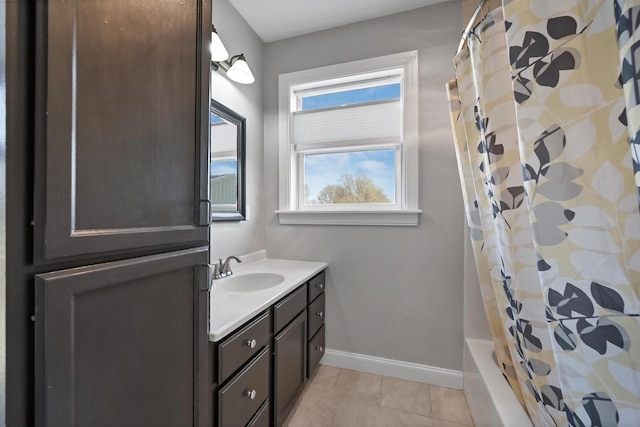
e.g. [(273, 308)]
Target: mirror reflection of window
[(227, 168), (224, 165)]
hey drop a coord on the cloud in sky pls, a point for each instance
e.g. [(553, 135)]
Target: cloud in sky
[(327, 169), (375, 166)]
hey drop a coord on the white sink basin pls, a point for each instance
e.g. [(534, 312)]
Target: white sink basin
[(249, 282)]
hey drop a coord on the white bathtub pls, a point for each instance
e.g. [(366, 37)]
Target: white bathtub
[(491, 401)]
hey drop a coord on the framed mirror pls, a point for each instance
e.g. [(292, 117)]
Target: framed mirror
[(226, 168)]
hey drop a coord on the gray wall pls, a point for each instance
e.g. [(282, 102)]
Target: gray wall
[(393, 292), (241, 237)]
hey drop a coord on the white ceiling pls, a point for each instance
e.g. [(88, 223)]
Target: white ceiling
[(279, 19)]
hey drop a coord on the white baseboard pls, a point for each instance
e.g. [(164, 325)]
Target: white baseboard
[(393, 368)]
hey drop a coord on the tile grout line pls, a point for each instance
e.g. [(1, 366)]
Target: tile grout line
[(430, 416), (335, 384), (444, 419), (431, 402), (420, 415), (451, 422)]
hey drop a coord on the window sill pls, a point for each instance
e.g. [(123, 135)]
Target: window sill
[(404, 218)]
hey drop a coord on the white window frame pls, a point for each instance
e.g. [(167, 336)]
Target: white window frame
[(404, 212)]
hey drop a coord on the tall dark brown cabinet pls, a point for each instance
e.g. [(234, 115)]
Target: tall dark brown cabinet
[(107, 212)]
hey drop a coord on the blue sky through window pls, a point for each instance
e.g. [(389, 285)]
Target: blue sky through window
[(321, 170), (354, 96), (224, 167), (216, 119)]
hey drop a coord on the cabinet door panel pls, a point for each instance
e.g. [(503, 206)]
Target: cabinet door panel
[(316, 285), (245, 393), (315, 351), (289, 366), (287, 309), (316, 315), (242, 345), (123, 343), (121, 148), (261, 419)]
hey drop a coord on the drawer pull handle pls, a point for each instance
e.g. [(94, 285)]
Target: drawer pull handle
[(320, 348), (319, 314), (251, 394), (251, 343), (320, 285)]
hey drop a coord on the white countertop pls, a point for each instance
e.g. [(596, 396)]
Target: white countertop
[(229, 310)]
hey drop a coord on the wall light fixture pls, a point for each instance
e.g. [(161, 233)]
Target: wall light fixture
[(218, 51), (236, 67)]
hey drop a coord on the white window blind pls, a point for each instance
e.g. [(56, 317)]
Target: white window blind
[(355, 122), (224, 137)]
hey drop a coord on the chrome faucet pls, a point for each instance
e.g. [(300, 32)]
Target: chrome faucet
[(223, 268)]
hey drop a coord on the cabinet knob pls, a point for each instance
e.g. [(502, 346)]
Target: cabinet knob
[(251, 394), (320, 348), (319, 314), (320, 286), (251, 343)]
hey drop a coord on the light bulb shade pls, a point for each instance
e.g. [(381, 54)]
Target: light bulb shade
[(218, 51), (240, 71)]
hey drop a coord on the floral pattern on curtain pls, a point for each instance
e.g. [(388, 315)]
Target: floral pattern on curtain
[(546, 138), (489, 114), (472, 210), (627, 15)]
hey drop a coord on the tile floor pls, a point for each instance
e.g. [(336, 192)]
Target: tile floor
[(343, 398)]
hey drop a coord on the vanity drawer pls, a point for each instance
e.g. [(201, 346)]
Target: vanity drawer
[(315, 351), (261, 419), (245, 393), (316, 315), (241, 346), (287, 309), (316, 286)]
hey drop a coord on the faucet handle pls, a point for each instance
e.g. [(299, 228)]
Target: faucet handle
[(216, 271)]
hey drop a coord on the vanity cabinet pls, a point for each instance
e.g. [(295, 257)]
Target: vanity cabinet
[(242, 367), (288, 308), (315, 351), (242, 345), (261, 368), (290, 352), (316, 314), (316, 286), (245, 393)]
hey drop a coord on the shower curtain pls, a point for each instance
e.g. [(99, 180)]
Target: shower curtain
[(546, 120)]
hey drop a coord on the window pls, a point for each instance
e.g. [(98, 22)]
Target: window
[(348, 143)]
